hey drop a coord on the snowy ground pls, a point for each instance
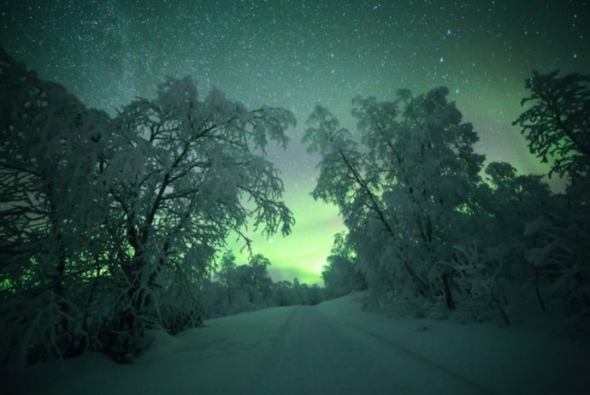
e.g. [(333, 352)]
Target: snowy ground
[(333, 348)]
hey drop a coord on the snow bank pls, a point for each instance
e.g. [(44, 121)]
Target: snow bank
[(215, 359), (507, 360)]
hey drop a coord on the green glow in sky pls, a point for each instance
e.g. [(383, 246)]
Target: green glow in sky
[(303, 253), (300, 53)]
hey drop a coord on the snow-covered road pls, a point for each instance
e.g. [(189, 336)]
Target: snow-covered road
[(332, 348), (318, 355)]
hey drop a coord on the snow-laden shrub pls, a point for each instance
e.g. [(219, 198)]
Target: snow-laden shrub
[(479, 275), (562, 255)]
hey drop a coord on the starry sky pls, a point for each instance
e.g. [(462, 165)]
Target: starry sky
[(296, 54)]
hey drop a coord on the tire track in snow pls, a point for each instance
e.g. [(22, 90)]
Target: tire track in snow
[(422, 359), (276, 348), (315, 354)]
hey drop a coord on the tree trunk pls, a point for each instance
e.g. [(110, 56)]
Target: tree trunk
[(447, 290)]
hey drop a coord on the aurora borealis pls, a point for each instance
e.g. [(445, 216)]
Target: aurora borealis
[(296, 54)]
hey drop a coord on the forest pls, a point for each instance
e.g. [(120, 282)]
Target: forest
[(110, 226)]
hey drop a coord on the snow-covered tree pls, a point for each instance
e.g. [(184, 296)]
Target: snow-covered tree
[(344, 177), (562, 255), (506, 201), (110, 226), (298, 293), (247, 287), (341, 275), (256, 280), (557, 127), (403, 195), (178, 185), (497, 248), (227, 276), (50, 242), (281, 293)]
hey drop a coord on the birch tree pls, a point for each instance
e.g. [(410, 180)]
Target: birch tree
[(404, 192), (179, 182)]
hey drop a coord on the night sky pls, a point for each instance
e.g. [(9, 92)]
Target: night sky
[(296, 54)]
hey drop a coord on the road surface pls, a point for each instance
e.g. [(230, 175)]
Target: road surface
[(315, 354)]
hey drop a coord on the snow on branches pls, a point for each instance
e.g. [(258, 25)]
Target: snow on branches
[(111, 224)]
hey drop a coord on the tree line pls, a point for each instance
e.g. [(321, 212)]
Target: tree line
[(237, 288), (432, 232)]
